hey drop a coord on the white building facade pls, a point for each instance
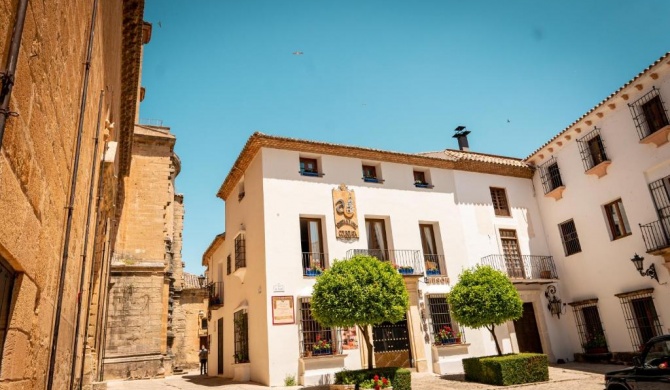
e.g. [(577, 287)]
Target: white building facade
[(562, 224)]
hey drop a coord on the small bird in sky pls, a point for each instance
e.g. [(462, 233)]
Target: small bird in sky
[(297, 53), (508, 121), (159, 24)]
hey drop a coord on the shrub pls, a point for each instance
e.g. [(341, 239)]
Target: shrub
[(508, 369), (401, 378), (289, 380)]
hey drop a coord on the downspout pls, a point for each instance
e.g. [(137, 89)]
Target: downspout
[(7, 77), (85, 250), (92, 274), (70, 207), (105, 308)]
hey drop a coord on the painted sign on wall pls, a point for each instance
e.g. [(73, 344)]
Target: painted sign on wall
[(344, 206)]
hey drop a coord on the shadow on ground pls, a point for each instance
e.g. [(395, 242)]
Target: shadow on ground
[(212, 381)]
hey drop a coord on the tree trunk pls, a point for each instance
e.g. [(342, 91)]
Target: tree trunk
[(493, 333), (368, 343)]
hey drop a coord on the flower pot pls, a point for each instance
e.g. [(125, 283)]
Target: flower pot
[(342, 387), (545, 274), (320, 352), (406, 271), (312, 272), (596, 350), (433, 272)]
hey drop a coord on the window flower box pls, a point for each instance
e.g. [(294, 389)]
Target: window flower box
[(406, 270), (312, 272), (432, 272)]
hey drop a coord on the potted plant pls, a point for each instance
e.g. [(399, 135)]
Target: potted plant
[(344, 381), (314, 269), (381, 383), (595, 343), (406, 269), (241, 357), (321, 347), (446, 335), (431, 268)]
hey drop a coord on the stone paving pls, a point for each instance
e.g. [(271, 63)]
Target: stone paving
[(564, 376)]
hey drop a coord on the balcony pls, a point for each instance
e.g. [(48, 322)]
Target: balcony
[(407, 261), (215, 295), (527, 267), (313, 263), (656, 237), (433, 263)]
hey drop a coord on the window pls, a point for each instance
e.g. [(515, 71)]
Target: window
[(229, 265), (7, 276), (313, 256), (569, 237), (241, 334), (616, 219), (240, 191), (550, 175), (370, 174), (592, 149), (430, 256), (512, 254), (376, 238), (589, 325), (309, 167), (420, 180), (314, 339), (240, 252), (499, 199), (203, 323), (440, 315), (649, 113), (640, 315), (655, 234)]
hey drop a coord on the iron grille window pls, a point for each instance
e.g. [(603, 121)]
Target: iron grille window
[(370, 174), (309, 166), (656, 234), (229, 265), (649, 114), (241, 329), (640, 314), (569, 237), (617, 220), (589, 325), (240, 252), (499, 199), (550, 175), (592, 149), (314, 339), (440, 315)]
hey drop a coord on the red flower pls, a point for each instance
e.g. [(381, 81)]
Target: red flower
[(376, 378)]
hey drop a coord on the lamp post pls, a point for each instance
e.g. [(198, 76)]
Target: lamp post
[(651, 271), (555, 304)]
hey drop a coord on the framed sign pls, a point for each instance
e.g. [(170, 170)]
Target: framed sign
[(282, 310)]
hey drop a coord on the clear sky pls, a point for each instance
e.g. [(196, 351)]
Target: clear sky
[(396, 75)]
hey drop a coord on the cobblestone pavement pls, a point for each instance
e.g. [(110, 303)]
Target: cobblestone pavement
[(565, 376)]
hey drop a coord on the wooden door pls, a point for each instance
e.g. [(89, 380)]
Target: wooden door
[(527, 334)]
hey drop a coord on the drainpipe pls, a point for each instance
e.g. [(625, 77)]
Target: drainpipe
[(85, 250), (7, 77), (70, 207), (108, 288), (92, 274)]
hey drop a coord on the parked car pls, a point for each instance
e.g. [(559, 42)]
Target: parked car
[(651, 371)]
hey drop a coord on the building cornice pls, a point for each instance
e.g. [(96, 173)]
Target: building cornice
[(618, 98), (216, 243), (464, 161)]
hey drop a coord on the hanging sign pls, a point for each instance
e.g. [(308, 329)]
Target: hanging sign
[(344, 206)]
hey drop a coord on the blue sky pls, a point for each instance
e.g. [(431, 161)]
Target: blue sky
[(389, 74)]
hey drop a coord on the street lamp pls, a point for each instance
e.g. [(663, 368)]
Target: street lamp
[(651, 271), (555, 304), (201, 281)]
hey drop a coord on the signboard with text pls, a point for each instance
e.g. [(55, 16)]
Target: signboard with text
[(346, 220)]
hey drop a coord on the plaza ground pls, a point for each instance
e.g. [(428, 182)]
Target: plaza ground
[(564, 376)]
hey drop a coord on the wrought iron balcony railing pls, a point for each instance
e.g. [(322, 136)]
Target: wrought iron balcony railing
[(313, 263), (656, 234), (407, 261), (215, 294), (523, 266)]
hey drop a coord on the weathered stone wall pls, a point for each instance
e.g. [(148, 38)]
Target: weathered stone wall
[(36, 166), (187, 327), (147, 254)]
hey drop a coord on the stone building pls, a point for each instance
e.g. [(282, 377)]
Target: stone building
[(64, 154), (146, 268), (189, 323)]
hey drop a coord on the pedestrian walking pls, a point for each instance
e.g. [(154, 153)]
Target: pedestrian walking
[(203, 360)]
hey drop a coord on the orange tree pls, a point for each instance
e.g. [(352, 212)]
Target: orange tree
[(484, 298), (360, 291)]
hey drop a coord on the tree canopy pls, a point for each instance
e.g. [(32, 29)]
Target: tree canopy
[(360, 291), (484, 298)]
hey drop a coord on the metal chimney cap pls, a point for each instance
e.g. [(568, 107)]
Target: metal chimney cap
[(460, 128)]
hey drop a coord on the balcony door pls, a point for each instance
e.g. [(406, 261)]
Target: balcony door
[(311, 244), (376, 232), (429, 248), (661, 196), (512, 254)]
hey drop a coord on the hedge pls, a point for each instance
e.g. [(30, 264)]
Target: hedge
[(507, 369), (401, 378)]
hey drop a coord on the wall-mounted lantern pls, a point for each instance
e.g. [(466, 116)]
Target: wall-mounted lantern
[(201, 281), (556, 306), (651, 271)]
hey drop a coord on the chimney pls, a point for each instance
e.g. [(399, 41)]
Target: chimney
[(462, 137)]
